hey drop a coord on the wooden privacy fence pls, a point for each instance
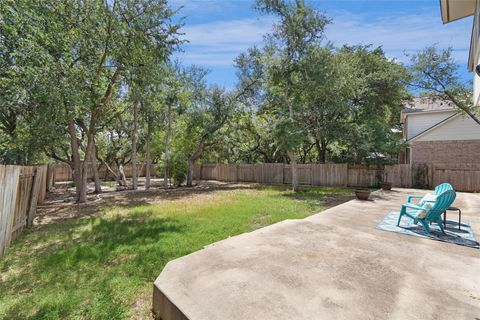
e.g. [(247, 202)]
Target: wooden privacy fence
[(63, 172), (464, 177), (21, 189)]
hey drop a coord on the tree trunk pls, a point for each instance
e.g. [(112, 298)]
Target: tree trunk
[(321, 147), (293, 165), (324, 150), (76, 164), (123, 179), (167, 143), (88, 155), (120, 182), (134, 145), (291, 153), (190, 172), (96, 176), (191, 162), (148, 160)]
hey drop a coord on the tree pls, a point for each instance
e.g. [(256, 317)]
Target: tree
[(346, 100), (299, 28), (202, 122), (87, 48), (378, 91), (324, 99), (436, 73), (17, 141)]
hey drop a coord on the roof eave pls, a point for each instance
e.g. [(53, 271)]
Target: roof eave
[(456, 10)]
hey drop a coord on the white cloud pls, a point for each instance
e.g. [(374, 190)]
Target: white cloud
[(215, 44), (219, 42), (409, 33)]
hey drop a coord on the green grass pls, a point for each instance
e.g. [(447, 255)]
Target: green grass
[(103, 266)]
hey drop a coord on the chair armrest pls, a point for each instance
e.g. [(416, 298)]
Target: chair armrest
[(412, 206), (410, 197)]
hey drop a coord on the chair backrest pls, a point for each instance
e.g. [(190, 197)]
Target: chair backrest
[(442, 188), (443, 201)]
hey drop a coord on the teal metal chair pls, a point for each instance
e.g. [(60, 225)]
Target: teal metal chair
[(443, 201), (438, 190)]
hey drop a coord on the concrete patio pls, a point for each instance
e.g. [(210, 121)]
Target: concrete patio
[(332, 265)]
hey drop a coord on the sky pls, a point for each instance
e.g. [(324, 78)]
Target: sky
[(219, 30)]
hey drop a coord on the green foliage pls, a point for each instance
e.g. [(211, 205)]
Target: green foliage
[(288, 134), (436, 74), (178, 168), (88, 62), (73, 60), (346, 106)]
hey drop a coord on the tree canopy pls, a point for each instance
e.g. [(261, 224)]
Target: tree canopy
[(95, 82)]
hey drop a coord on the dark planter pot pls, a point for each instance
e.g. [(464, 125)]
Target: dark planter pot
[(387, 186), (362, 194)]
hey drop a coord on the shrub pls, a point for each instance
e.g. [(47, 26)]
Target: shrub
[(177, 168)]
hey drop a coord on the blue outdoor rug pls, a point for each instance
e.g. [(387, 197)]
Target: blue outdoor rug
[(463, 237)]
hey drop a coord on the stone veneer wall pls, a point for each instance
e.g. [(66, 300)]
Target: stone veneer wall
[(451, 151)]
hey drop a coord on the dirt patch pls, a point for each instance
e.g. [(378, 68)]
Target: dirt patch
[(260, 221), (331, 201), (60, 205)]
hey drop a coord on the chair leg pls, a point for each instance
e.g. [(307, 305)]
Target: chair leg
[(439, 222), (425, 225), (399, 218), (459, 219)]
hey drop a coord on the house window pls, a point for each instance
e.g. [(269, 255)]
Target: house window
[(407, 155)]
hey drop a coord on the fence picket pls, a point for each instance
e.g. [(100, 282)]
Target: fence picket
[(9, 183), (463, 177)]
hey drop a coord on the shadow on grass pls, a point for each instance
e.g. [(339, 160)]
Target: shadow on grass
[(318, 196), (91, 264), (54, 209), (182, 192)]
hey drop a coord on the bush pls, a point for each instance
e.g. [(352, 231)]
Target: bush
[(177, 168)]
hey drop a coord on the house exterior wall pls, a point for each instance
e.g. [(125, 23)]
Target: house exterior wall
[(458, 128), (451, 151), (418, 122)]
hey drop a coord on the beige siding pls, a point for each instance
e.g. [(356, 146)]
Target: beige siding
[(419, 122), (459, 128)]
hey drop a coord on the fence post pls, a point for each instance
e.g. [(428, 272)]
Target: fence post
[(431, 169), (50, 177), (346, 175), (9, 181), (32, 210)]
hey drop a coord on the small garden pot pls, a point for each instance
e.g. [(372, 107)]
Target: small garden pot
[(386, 186), (362, 194)]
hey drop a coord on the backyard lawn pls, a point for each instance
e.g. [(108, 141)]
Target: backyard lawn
[(102, 265)]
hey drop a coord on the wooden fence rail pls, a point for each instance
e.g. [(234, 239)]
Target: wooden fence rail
[(21, 189), (463, 177), (63, 172)]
